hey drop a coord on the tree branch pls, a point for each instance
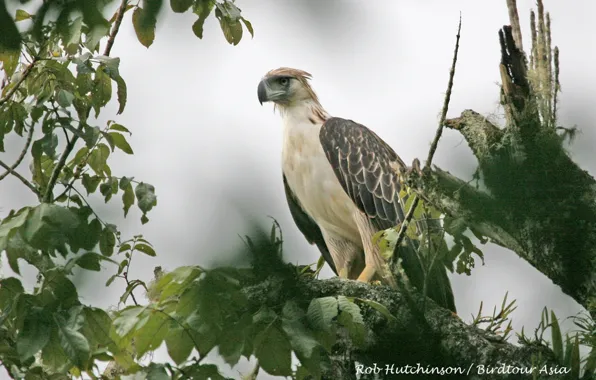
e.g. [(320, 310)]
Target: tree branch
[(21, 155), (16, 86), (538, 203), (442, 339), (116, 27), (20, 177), (433, 147), (48, 195), (480, 134)]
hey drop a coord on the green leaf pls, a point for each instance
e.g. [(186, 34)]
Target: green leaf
[(378, 307), (16, 249), (35, 333), (109, 188), (121, 93), (10, 288), (91, 135), (10, 61), (229, 17), (120, 142), (144, 25), (89, 261), (91, 182), (101, 92), (119, 128), (157, 372), (202, 8), (61, 287), (357, 330), (124, 182), (146, 198), (248, 26), (180, 6), (232, 30), (205, 371), (300, 338), (321, 312), (64, 98), (231, 341), (130, 288), (351, 308), (128, 198), (96, 327), (46, 225), (145, 249), (179, 344), (107, 242), (74, 344), (22, 15), (575, 359), (93, 37), (10, 38), (10, 225), (98, 158), (53, 356), (74, 36), (557, 337), (111, 280), (274, 352), (152, 334), (176, 281), (127, 319)]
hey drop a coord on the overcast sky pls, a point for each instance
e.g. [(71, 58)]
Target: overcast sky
[(213, 153)]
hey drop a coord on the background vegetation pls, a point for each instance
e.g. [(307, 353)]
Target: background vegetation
[(57, 80)]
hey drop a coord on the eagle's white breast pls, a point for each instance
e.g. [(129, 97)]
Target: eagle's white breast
[(311, 178)]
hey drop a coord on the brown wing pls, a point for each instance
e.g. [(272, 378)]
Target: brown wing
[(309, 228), (363, 162)]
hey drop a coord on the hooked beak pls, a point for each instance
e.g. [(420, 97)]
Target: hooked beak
[(262, 92)]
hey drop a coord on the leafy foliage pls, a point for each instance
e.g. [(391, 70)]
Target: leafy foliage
[(56, 83)]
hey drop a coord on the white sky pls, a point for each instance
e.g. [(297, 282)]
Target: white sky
[(213, 153)]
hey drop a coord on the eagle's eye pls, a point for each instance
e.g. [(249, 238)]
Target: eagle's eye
[(284, 81)]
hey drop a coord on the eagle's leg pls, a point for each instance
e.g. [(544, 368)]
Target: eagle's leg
[(367, 274), (375, 267), (346, 255)]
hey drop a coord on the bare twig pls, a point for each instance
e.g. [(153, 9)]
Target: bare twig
[(21, 156), (116, 27), (48, 195), (514, 20), (16, 86), (20, 177), (433, 147)]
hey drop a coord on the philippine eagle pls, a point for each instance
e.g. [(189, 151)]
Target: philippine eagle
[(341, 185)]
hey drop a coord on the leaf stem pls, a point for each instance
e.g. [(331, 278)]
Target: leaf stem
[(48, 195), (116, 27), (16, 86), (21, 155), (433, 147)]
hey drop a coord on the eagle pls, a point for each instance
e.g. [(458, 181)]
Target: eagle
[(342, 186)]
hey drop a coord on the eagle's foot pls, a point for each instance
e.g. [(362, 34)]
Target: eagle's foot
[(343, 273), (367, 273)]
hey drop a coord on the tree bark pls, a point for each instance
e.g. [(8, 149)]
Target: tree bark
[(535, 200), (423, 335)]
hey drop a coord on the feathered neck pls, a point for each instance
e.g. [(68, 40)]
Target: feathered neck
[(310, 111)]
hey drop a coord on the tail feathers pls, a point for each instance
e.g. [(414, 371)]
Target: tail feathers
[(438, 286)]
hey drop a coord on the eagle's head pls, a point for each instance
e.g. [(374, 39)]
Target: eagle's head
[(286, 87)]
